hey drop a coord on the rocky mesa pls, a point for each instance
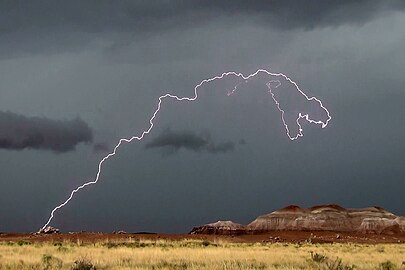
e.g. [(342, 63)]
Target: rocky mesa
[(331, 217)]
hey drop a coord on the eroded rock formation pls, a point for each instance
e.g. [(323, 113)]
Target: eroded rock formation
[(220, 227), (318, 218)]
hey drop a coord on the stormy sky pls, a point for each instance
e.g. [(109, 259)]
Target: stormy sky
[(75, 76)]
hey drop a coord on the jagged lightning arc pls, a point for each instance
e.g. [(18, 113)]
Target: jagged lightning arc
[(170, 96)]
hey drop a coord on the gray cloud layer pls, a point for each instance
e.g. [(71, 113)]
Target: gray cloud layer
[(54, 26), (19, 132), (96, 16), (176, 140), (46, 27)]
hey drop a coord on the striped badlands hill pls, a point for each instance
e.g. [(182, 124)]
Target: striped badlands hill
[(318, 218)]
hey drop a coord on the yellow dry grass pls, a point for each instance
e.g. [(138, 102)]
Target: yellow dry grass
[(192, 254)]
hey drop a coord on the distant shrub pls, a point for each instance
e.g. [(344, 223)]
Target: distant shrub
[(205, 243), (318, 258), (50, 262), (387, 265), (338, 265), (128, 245), (247, 265), (180, 265), (23, 243), (330, 264), (83, 264), (62, 249)]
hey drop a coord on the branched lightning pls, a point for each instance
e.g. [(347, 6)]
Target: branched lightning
[(175, 97)]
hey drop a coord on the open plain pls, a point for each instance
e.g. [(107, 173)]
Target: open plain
[(275, 250)]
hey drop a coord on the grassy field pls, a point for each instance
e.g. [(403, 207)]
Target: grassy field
[(194, 254)]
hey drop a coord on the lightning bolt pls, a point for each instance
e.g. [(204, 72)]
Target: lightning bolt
[(175, 97)]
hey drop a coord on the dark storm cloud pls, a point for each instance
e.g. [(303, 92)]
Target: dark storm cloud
[(176, 140), (19, 132), (52, 26), (309, 14), (144, 16), (95, 16)]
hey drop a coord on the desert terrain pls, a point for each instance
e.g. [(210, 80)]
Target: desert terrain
[(282, 251), (298, 237), (320, 237)]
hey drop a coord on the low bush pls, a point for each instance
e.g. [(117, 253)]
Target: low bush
[(83, 264), (50, 262), (387, 265)]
